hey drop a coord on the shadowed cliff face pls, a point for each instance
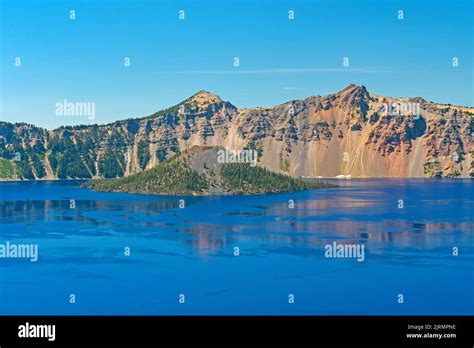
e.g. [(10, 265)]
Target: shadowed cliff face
[(352, 132)]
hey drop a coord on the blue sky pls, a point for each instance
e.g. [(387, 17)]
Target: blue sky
[(82, 60)]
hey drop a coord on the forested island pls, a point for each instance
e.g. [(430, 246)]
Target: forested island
[(197, 172)]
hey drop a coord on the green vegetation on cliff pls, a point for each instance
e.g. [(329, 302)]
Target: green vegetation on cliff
[(7, 169), (143, 154), (432, 168)]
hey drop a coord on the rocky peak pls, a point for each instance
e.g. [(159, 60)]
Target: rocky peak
[(204, 98), (353, 95)]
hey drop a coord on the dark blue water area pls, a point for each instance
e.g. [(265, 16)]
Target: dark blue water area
[(190, 250)]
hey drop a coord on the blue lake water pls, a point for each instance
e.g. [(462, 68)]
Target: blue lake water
[(190, 251)]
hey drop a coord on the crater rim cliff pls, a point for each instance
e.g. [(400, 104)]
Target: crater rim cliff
[(348, 133)]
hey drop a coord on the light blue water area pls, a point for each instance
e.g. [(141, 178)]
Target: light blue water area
[(190, 251)]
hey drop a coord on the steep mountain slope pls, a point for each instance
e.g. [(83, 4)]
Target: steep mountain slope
[(349, 133)]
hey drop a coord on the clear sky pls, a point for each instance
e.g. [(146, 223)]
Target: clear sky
[(82, 60)]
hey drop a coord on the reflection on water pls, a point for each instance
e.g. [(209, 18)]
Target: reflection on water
[(354, 213), (436, 216)]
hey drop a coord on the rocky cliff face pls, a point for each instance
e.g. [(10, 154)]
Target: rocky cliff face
[(352, 132)]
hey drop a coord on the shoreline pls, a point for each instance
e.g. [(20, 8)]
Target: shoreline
[(302, 178)]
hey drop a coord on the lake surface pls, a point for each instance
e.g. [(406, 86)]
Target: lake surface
[(190, 251)]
